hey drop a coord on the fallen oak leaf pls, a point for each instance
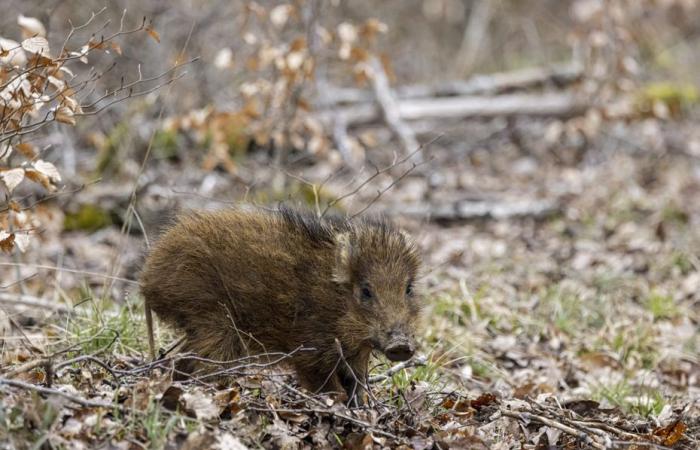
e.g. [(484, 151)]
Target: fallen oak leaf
[(485, 399), (671, 433)]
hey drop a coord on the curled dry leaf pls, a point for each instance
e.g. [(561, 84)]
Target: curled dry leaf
[(65, 115), (31, 26), (7, 241), (12, 178), (201, 404), (153, 33), (38, 177), (11, 53), (22, 241), (48, 169), (279, 15), (372, 27)]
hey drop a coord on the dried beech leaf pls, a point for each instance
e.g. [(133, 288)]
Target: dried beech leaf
[(37, 45), (116, 47), (11, 53), (38, 177), (48, 169), (12, 178), (22, 241), (65, 115), (31, 26), (7, 241)]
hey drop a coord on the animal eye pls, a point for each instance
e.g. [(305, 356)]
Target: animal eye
[(409, 289), (366, 293)]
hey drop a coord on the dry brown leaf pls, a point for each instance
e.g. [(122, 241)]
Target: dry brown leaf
[(65, 115), (171, 398), (38, 177), (359, 441), (116, 47), (7, 241), (672, 433), (27, 149), (153, 33)]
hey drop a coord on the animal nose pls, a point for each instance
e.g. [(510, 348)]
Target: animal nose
[(399, 350)]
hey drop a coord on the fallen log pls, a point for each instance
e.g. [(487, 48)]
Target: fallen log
[(487, 84), (32, 302), (477, 209), (539, 105)]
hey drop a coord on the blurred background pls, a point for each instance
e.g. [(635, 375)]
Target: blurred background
[(545, 155)]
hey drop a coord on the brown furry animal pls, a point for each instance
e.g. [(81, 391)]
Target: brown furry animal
[(248, 281)]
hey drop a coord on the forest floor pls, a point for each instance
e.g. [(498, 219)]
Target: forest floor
[(573, 325)]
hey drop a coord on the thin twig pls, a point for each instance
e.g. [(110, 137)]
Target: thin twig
[(416, 361), (527, 417), (376, 173)]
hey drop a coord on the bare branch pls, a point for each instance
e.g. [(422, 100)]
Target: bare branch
[(378, 172)]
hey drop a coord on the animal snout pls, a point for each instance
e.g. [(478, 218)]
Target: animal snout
[(399, 349)]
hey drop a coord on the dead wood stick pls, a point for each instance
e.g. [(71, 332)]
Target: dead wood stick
[(347, 418), (545, 104), (475, 35), (525, 416), (341, 138), (387, 101), (48, 391), (47, 361), (29, 365), (33, 302)]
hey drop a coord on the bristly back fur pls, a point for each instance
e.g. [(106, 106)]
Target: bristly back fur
[(323, 230)]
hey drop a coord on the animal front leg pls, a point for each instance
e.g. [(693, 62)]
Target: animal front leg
[(353, 377), (319, 380)]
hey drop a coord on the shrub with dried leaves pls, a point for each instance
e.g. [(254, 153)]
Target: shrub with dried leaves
[(39, 86)]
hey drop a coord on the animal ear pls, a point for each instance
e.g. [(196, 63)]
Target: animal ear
[(343, 252), (407, 237)]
